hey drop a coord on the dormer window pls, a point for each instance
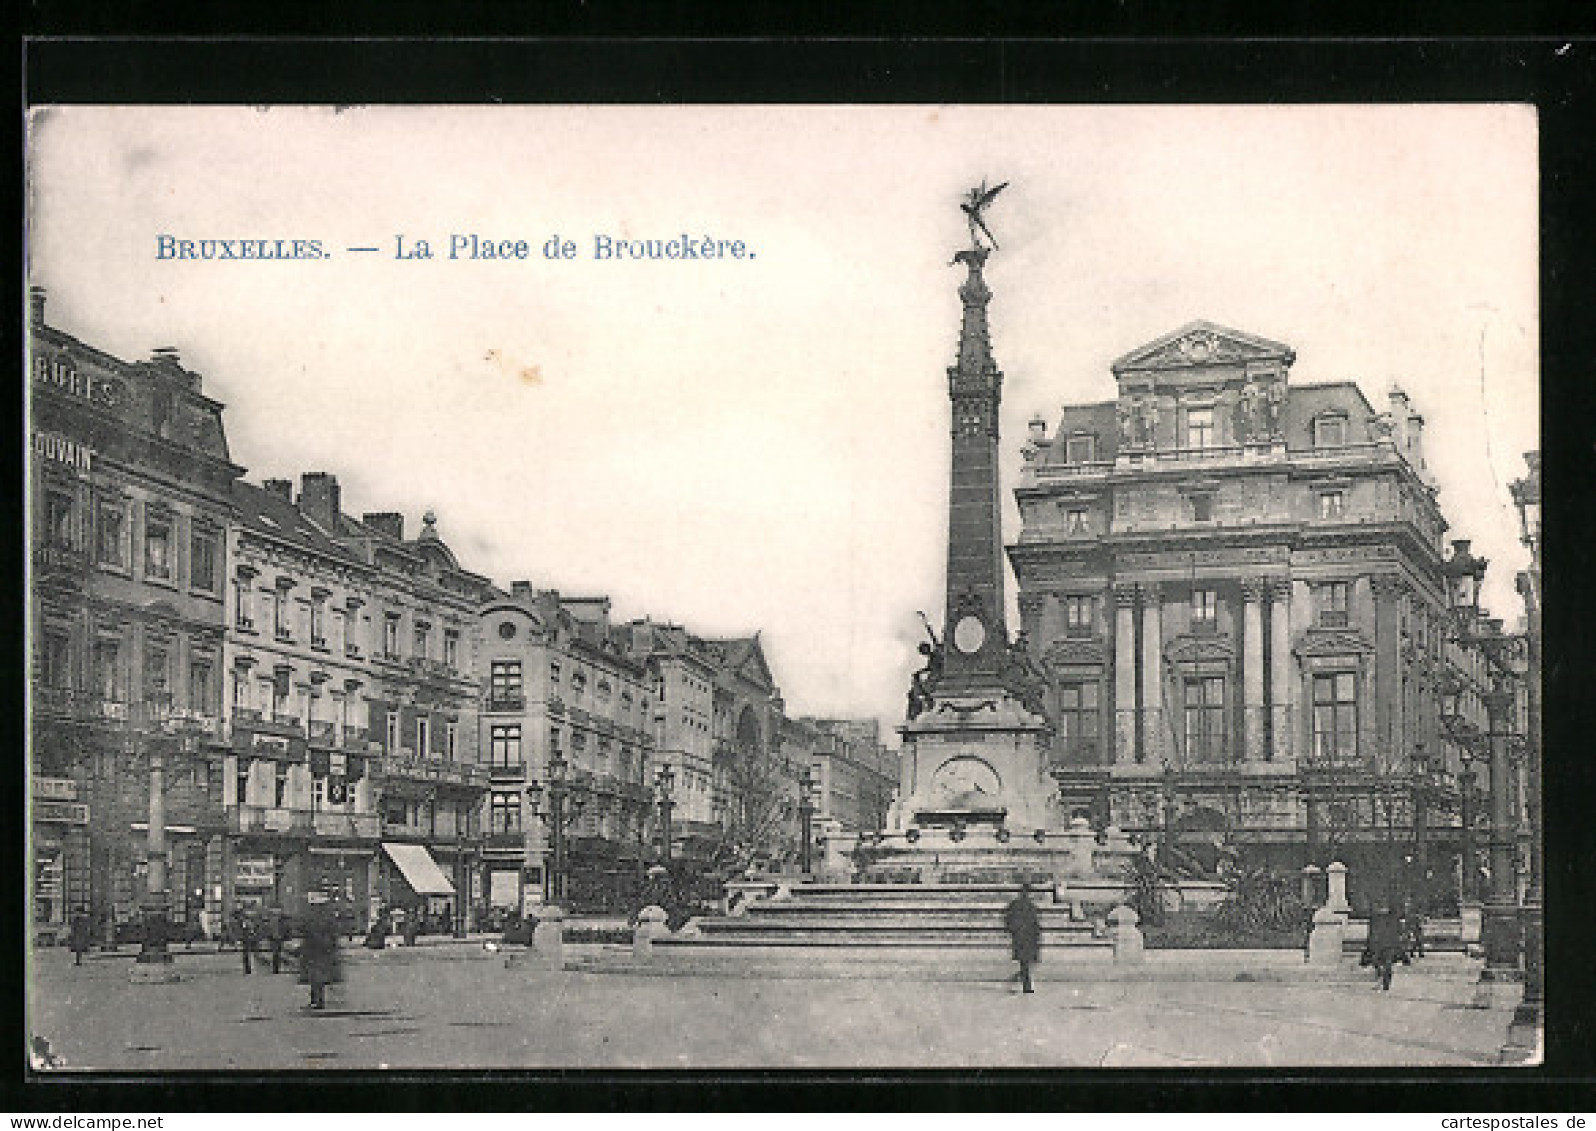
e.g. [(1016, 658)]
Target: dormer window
[(1080, 449), (1332, 504), (1075, 521), (1330, 431)]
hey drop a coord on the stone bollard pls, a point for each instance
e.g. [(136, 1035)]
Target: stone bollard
[(1471, 917), (1081, 845), (1324, 942), (548, 938), (1337, 899), (1126, 934), (650, 926)]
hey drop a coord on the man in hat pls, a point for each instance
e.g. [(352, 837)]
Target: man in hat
[(1025, 934)]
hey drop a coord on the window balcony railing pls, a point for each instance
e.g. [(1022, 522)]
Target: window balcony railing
[(352, 651), (361, 826), (269, 819), (59, 561), (318, 642), (504, 701), (282, 635), (507, 770)]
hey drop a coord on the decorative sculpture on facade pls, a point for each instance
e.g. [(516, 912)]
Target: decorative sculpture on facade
[(923, 682)]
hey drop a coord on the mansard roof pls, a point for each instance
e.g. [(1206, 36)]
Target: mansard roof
[(1203, 343), (262, 512)]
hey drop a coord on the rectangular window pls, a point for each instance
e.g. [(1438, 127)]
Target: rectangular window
[(1075, 521), (554, 676), (199, 686), (280, 793), (1202, 508), (504, 685), (60, 521), (422, 641), (204, 560), (1335, 717), (110, 543), (281, 622), (1205, 718), (1204, 610), (1199, 427), (390, 636), (56, 660), (391, 731), (318, 793), (451, 735), (1333, 604), (1330, 432), (451, 647), (1079, 611), (1079, 449), (1078, 719), (241, 610), (505, 746), (318, 622), (504, 814), (578, 683), (108, 670), (157, 546), (423, 735), (1332, 504)]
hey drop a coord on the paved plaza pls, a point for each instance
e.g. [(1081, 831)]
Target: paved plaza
[(456, 1005)]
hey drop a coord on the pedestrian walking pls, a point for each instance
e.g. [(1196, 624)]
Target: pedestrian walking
[(276, 936), (412, 925), (320, 963), (78, 937), (248, 938), (1384, 948), (1025, 934)]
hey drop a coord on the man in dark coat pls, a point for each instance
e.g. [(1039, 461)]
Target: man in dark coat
[(248, 938), (78, 938), (320, 963), (276, 936), (1025, 934), (1384, 948)]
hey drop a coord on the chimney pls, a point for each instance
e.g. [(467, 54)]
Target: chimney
[(36, 297), (281, 488), (319, 499), (390, 523), (521, 589)]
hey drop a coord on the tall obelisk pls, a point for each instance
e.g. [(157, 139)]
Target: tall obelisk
[(974, 746)]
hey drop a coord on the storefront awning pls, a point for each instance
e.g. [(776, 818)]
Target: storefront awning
[(420, 869)]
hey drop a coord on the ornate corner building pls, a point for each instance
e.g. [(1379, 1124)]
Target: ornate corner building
[(1234, 585)]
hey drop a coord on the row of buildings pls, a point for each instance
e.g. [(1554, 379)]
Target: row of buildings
[(1250, 628), (329, 704)]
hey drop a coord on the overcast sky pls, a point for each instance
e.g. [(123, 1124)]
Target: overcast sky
[(762, 444)]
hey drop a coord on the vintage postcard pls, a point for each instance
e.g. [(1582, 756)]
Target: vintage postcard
[(760, 586)]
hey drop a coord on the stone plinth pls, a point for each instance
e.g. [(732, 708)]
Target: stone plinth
[(650, 926), (548, 938), (1325, 941), (1127, 936)]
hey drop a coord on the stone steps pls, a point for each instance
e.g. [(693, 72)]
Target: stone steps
[(873, 934)]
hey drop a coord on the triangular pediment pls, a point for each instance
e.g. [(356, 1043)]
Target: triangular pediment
[(1204, 343)]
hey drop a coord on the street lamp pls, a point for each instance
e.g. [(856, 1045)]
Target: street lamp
[(806, 817), (564, 807), (1527, 499), (1499, 929), (664, 781), (1420, 780), (154, 961)]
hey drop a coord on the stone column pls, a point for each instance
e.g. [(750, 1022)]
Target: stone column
[(1386, 686), (1125, 673), (1152, 674), (1252, 672), (1281, 686)]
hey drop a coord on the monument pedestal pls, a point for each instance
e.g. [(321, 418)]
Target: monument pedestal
[(976, 759)]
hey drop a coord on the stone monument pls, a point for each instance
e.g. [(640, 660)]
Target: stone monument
[(974, 746)]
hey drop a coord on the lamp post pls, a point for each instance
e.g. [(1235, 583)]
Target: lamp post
[(664, 781), (154, 961), (806, 818), (1421, 821), (1527, 499), (1499, 929), (563, 808)]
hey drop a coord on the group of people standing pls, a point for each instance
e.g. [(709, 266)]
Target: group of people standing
[(320, 963)]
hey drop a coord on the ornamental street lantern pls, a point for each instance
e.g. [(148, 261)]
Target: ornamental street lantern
[(564, 807), (806, 816), (664, 782), (1464, 574)]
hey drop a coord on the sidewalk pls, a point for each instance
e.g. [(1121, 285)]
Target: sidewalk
[(468, 1007)]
